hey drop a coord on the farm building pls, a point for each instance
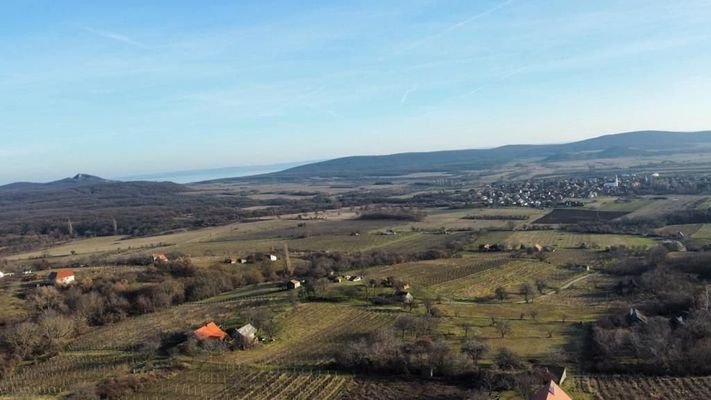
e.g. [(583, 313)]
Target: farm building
[(556, 373), (210, 331), (537, 248), (4, 274), (159, 258), (335, 279), (404, 297), (634, 316), (242, 261), (271, 257), (230, 260), (673, 245), (355, 278), (401, 286), (551, 392), (246, 336), (293, 284), (61, 277)]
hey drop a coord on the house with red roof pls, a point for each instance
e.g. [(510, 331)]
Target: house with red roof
[(210, 331), (551, 392), (159, 258), (61, 277)]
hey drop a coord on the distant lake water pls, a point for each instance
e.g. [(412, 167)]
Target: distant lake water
[(210, 174)]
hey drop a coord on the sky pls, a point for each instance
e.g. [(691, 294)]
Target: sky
[(143, 87)]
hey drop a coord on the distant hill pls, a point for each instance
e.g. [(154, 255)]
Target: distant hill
[(75, 181), (609, 146)]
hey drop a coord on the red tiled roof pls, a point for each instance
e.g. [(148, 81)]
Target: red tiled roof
[(551, 392), (210, 331), (61, 274)]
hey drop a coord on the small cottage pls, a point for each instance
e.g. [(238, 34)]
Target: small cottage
[(209, 331), (245, 336), (159, 258), (61, 277), (293, 284), (404, 297)]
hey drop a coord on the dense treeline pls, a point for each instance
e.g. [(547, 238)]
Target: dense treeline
[(669, 331), (392, 213), (133, 208), (502, 217)]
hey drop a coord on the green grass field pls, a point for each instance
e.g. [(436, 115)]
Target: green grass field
[(569, 240)]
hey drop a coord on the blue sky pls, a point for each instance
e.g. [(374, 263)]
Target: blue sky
[(140, 87)]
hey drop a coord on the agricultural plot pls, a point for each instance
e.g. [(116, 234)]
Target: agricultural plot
[(665, 205), (623, 387), (510, 276), (183, 241), (689, 230), (492, 218), (703, 233), (619, 204), (570, 240), (429, 273), (211, 381), (59, 374), (130, 333), (576, 216), (311, 333), (553, 330), (364, 242), (367, 388)]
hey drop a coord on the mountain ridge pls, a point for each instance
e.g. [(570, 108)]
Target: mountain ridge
[(610, 145)]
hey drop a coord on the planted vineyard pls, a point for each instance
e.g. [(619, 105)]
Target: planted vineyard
[(228, 381), (510, 276), (62, 373), (314, 332), (624, 387), (430, 273)]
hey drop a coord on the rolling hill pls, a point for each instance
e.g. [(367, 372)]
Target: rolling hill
[(641, 143)]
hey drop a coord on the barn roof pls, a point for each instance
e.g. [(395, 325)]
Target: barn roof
[(209, 331), (551, 392), (247, 330), (61, 274)]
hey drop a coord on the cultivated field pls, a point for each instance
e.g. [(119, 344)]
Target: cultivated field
[(509, 275), (211, 380), (616, 387), (570, 240)]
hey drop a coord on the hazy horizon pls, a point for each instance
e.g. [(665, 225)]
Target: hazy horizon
[(135, 89)]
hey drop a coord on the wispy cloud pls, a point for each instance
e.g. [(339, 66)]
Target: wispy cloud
[(457, 25), (408, 92), (116, 37)]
